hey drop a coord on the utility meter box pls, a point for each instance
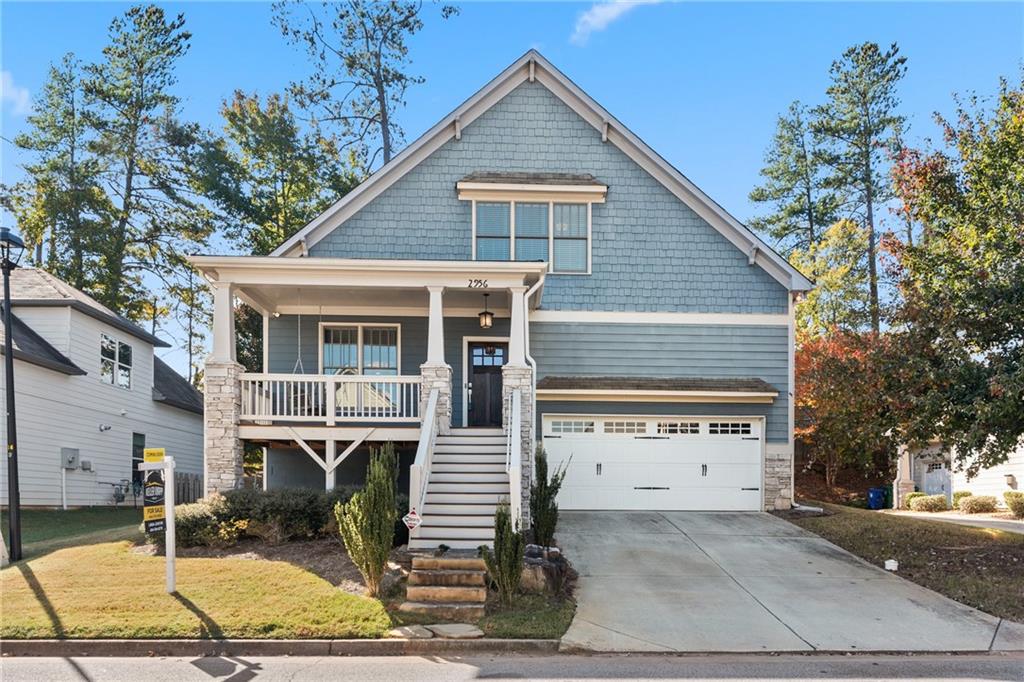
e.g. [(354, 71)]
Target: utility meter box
[(86, 465), (69, 458)]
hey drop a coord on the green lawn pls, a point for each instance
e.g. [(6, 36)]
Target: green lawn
[(45, 525), (531, 617), (107, 590), (981, 567)]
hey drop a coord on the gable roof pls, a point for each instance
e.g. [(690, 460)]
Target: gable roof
[(531, 67), (38, 288), (31, 347), (172, 389)]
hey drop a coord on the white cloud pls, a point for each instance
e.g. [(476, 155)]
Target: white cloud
[(600, 16), (14, 96)]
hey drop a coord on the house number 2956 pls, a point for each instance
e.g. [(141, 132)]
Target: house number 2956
[(478, 284)]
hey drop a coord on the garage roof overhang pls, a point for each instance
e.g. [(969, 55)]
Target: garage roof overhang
[(656, 390)]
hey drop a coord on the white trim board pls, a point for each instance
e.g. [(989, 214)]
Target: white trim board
[(627, 317), (531, 67), (653, 396), (466, 340)]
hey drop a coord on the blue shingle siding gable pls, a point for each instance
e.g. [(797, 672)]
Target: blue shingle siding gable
[(651, 252)]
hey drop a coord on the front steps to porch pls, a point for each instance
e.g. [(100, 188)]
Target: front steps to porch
[(450, 587), (467, 480)]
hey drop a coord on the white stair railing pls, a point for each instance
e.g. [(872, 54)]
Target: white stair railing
[(329, 399), (514, 456), (419, 472)]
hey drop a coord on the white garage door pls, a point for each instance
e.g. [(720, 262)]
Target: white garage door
[(668, 463)]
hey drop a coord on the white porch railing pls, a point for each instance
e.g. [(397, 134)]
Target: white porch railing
[(514, 457), (329, 399), (419, 472)]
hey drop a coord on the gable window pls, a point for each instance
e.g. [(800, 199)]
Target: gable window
[(555, 232), (115, 362)]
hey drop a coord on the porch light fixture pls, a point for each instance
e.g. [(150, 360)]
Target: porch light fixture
[(486, 317)]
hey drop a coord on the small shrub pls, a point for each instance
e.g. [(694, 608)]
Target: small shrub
[(291, 513), (505, 563), (910, 497), (980, 504), (239, 504), (959, 495), (1015, 501), (367, 522), (929, 503), (543, 507), (194, 524)]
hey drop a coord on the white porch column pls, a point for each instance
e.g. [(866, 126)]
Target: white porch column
[(222, 448), (330, 450), (435, 328), (223, 322), (435, 372), (517, 328)]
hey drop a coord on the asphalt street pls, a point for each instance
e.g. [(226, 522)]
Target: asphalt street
[(735, 668)]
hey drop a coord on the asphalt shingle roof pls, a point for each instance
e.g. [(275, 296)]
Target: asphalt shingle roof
[(172, 389), (533, 178)]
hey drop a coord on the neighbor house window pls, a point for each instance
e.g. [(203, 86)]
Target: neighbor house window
[(115, 362), (138, 455), (557, 233)]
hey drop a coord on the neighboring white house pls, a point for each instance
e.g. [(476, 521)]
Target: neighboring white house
[(89, 394), (929, 470)]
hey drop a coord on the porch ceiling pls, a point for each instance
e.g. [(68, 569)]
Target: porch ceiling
[(287, 285)]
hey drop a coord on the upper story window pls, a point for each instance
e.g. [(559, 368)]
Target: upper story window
[(533, 217), (115, 362), (558, 233)]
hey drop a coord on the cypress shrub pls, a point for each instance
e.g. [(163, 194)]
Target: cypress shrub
[(505, 563), (543, 504), (367, 521)]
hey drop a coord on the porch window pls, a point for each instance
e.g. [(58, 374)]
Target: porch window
[(360, 349)]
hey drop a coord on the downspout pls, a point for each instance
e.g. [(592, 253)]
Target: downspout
[(526, 330)]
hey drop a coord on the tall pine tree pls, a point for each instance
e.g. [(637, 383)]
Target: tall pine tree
[(802, 205), (859, 124)]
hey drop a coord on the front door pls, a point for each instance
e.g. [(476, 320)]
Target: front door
[(484, 382)]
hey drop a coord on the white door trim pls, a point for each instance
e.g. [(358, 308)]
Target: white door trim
[(466, 340)]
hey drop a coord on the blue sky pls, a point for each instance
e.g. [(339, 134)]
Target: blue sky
[(700, 82)]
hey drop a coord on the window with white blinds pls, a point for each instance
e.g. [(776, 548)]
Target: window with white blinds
[(360, 349)]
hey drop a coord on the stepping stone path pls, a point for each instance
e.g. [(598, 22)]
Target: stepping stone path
[(456, 631), (411, 632)]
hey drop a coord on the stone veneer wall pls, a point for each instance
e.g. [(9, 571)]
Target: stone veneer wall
[(521, 378), (778, 480), (222, 458), (439, 377)]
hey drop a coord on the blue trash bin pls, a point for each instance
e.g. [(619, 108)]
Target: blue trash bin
[(876, 498)]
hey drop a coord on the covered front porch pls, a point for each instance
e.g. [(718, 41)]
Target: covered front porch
[(357, 352)]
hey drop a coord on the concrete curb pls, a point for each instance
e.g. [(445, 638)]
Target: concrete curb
[(273, 647)]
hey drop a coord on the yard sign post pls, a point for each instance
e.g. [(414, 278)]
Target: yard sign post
[(158, 503)]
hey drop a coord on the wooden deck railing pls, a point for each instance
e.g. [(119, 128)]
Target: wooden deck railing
[(329, 399)]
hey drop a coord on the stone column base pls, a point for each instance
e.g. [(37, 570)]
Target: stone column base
[(778, 478), (439, 377), (521, 378), (222, 448)]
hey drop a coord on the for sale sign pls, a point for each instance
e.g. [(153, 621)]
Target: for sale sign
[(412, 520), (153, 493)]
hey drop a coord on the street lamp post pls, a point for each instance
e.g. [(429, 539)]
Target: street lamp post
[(11, 248)]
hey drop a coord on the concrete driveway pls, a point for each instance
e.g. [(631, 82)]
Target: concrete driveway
[(741, 582)]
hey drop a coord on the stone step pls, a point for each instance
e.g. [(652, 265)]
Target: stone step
[(453, 611), (446, 594), (491, 499), (448, 563), (469, 477), (499, 488), (441, 520), (448, 577), (467, 467), (456, 509), (468, 459)]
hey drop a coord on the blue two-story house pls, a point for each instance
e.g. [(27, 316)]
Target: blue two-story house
[(528, 272)]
